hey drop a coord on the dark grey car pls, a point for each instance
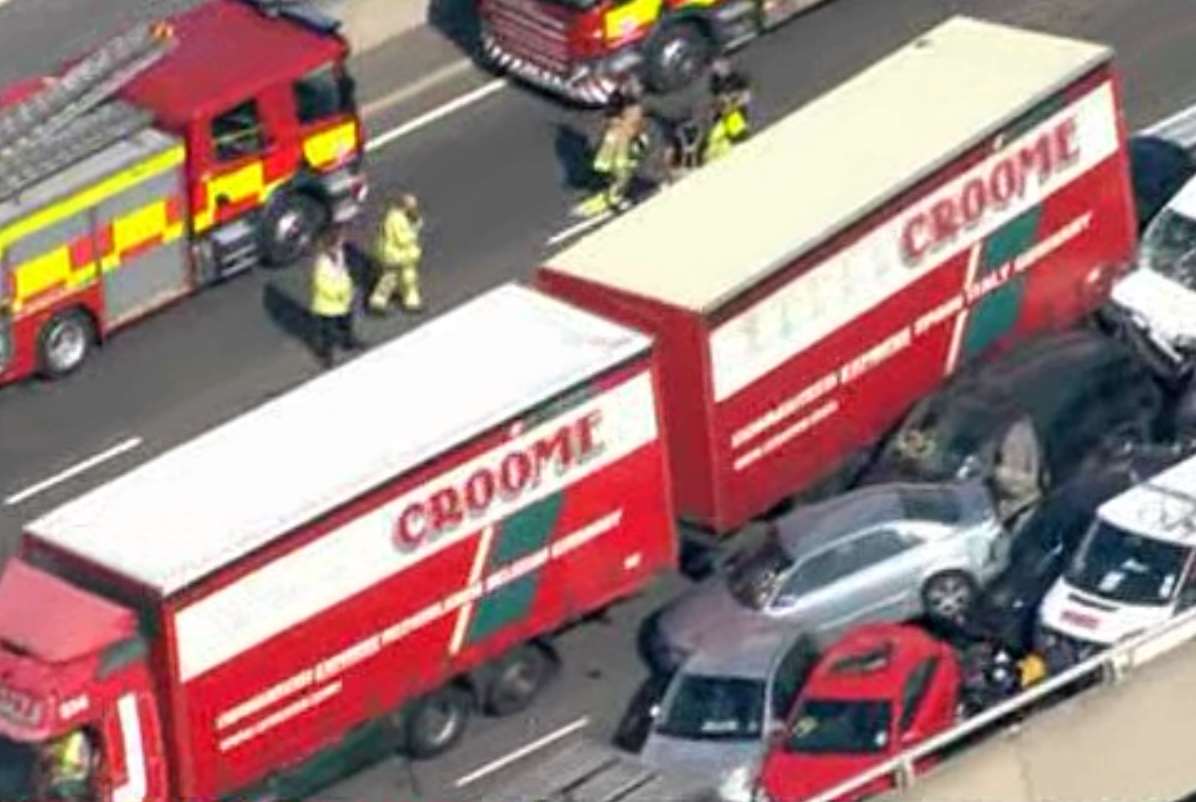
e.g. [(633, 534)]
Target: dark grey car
[(880, 553)]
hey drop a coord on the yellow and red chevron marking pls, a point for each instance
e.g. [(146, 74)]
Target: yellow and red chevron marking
[(250, 185), (72, 266)]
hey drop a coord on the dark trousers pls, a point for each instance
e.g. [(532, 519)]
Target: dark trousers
[(334, 331)]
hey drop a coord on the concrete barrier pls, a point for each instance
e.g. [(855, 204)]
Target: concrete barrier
[(1129, 741)]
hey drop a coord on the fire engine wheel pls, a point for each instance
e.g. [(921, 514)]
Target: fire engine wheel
[(290, 227), (436, 722), (518, 678), (64, 343), (677, 56), (948, 595)]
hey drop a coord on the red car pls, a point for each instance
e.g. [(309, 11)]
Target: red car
[(877, 691)]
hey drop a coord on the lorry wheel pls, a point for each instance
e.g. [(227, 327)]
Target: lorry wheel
[(677, 56), (290, 227), (518, 678), (437, 721), (64, 343), (948, 595)]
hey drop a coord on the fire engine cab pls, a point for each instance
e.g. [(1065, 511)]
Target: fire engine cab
[(582, 48), (173, 156)]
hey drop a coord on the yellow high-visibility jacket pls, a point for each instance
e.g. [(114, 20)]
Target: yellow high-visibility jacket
[(332, 288), (398, 240)]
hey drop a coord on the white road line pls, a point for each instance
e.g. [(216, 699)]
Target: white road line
[(74, 470), (522, 752), (414, 88), (584, 225), (384, 139)]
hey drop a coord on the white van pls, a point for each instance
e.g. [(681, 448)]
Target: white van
[(1132, 571)]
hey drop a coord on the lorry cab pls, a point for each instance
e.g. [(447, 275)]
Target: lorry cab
[(73, 669), (1134, 569), (273, 145)]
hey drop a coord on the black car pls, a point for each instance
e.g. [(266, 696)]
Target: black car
[(1043, 545), (1158, 169), (1079, 390)]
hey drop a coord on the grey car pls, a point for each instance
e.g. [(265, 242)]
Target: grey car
[(720, 708), (881, 553)]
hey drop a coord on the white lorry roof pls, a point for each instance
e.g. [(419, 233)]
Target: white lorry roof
[(226, 493), (812, 174), (1161, 508)]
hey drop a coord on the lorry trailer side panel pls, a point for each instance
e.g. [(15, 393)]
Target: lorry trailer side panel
[(1020, 239), (1018, 235), (506, 538)]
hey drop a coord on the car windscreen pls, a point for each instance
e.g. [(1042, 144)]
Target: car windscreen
[(17, 763), (840, 726), (754, 576), (714, 708), (1119, 565), (1169, 247)]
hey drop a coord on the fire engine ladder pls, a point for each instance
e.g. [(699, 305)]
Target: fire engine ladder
[(84, 86), (57, 126)]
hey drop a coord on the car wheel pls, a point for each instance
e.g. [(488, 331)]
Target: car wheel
[(677, 56), (518, 678), (290, 227), (437, 721), (64, 343), (948, 596)]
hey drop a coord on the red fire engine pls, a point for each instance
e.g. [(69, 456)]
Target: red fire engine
[(581, 48), (172, 157)]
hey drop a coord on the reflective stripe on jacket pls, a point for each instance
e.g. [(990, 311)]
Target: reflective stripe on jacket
[(398, 240), (332, 288)]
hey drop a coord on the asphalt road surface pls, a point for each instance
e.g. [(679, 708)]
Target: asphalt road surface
[(492, 172)]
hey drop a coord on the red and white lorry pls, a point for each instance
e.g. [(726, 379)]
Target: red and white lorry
[(356, 557), (964, 193)]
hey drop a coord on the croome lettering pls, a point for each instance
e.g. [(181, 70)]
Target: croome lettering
[(1004, 181), (509, 475)]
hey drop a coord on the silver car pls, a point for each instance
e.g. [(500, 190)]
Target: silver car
[(882, 553), (720, 708)]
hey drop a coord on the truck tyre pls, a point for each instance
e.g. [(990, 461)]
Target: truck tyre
[(676, 56), (290, 226), (517, 678), (64, 343), (437, 721), (946, 596)]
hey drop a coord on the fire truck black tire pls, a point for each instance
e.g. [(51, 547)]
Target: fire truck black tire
[(437, 721), (290, 226), (64, 343), (517, 679), (676, 56)]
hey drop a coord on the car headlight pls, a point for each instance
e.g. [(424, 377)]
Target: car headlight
[(736, 785)]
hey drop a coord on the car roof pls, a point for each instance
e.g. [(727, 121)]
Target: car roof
[(1024, 381), (813, 527), (1161, 508), (905, 647), (734, 655)]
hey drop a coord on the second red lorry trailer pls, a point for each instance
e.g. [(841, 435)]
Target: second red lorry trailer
[(964, 193), (292, 588)]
